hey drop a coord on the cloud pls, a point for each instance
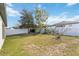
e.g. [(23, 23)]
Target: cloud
[(70, 4), (76, 18), (39, 5), (55, 19), (11, 11), (62, 17), (9, 4)]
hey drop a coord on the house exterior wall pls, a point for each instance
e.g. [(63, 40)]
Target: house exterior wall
[(1, 33), (71, 30)]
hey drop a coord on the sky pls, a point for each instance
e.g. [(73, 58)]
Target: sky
[(57, 12)]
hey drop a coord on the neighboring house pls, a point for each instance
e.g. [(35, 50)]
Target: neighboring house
[(3, 23), (72, 27)]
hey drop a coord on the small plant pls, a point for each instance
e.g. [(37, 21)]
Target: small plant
[(59, 31)]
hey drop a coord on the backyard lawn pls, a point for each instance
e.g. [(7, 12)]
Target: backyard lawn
[(40, 45)]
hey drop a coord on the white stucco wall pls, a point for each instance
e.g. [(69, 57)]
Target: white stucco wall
[(1, 39), (74, 30)]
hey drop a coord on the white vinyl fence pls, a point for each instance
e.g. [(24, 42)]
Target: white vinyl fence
[(16, 31), (72, 30)]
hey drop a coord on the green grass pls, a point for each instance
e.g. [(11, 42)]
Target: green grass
[(40, 44)]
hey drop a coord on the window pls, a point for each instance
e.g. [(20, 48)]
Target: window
[(3, 31)]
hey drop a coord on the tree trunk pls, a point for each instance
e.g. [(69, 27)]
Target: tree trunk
[(40, 30), (45, 30), (58, 37), (28, 30)]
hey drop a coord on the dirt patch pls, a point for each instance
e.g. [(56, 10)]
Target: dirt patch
[(45, 50), (53, 50)]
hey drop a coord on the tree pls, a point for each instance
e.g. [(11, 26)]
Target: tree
[(26, 19), (40, 16)]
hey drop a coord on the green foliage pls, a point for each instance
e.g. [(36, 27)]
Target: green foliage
[(26, 17), (40, 16)]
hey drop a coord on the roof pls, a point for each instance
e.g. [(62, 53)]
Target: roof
[(65, 23), (3, 13)]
